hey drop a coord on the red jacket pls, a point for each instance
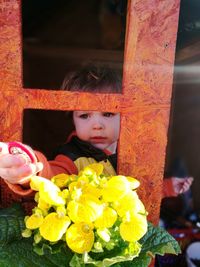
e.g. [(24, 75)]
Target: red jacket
[(71, 157)]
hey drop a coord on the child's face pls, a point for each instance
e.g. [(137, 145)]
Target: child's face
[(101, 129)]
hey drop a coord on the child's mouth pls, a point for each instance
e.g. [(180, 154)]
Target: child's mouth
[(98, 139)]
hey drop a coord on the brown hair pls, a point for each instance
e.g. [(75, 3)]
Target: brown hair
[(92, 78)]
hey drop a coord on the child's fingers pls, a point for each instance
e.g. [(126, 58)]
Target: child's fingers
[(9, 160), (38, 167), (186, 185), (190, 180), (18, 174), (15, 173)]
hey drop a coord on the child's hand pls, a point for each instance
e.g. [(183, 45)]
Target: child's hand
[(181, 185), (14, 168)]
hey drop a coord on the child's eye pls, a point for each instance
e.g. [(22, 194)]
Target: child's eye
[(108, 114), (84, 116)]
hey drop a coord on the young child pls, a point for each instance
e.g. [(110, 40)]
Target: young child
[(94, 139)]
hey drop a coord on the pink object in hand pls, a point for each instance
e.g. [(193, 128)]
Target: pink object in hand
[(19, 148)]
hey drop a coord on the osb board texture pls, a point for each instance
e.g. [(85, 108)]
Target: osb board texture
[(144, 104), (150, 50), (10, 48), (145, 131)]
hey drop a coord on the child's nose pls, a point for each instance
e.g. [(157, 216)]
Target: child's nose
[(97, 125)]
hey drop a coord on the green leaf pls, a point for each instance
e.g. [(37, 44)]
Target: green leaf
[(156, 241), (143, 260), (110, 261), (11, 224), (20, 254), (76, 261), (124, 255), (16, 251)]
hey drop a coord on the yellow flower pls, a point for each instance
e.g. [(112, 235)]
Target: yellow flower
[(43, 205), (36, 197), (37, 181), (72, 186), (129, 202), (80, 237), (61, 210), (115, 188), (51, 196), (96, 168), (92, 190), (83, 186), (64, 193), (107, 218), (100, 208), (82, 181), (61, 180), (34, 221), (133, 228), (75, 191), (104, 234), (77, 186), (134, 183), (54, 226), (48, 191), (87, 209)]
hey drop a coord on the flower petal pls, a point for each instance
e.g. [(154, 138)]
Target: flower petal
[(129, 202), (115, 188), (95, 167), (87, 209), (107, 218), (80, 237), (54, 226), (51, 195), (61, 180), (34, 221), (134, 229), (134, 183)]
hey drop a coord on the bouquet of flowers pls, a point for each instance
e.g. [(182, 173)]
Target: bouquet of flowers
[(98, 220)]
